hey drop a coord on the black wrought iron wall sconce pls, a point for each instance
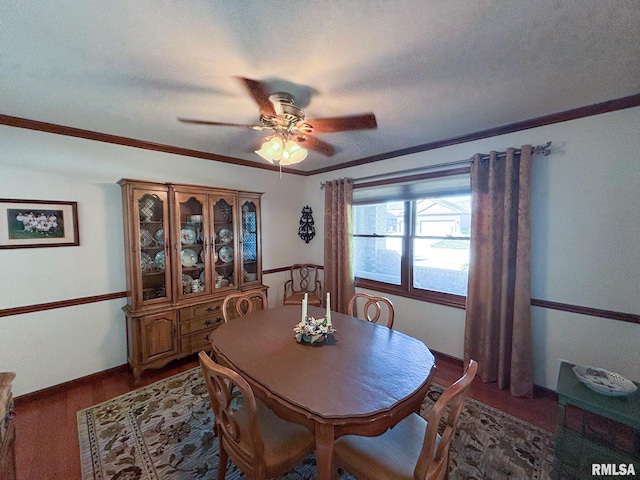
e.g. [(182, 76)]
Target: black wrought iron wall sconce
[(306, 230)]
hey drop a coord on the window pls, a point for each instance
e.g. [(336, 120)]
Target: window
[(379, 241), (416, 247), (440, 256)]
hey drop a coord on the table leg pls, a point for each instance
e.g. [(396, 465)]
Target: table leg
[(324, 451)]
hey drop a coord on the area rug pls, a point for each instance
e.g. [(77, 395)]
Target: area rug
[(164, 432)]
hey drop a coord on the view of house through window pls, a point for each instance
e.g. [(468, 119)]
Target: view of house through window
[(420, 244)]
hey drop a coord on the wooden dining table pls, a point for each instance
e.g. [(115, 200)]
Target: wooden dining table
[(363, 379)]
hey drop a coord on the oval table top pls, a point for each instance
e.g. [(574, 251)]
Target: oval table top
[(360, 370), (362, 380)]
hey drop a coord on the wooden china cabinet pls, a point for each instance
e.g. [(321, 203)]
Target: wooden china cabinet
[(186, 248)]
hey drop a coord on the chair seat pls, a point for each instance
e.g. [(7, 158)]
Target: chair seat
[(392, 455), (414, 448), (280, 438), (296, 299)]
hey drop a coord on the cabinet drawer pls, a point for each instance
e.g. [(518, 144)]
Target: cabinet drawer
[(196, 342), (194, 325), (209, 309)]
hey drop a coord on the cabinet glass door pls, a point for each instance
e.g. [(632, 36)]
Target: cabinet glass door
[(224, 243), (191, 245), (249, 243), (153, 247)]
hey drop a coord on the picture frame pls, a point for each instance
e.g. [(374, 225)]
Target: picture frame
[(38, 223)]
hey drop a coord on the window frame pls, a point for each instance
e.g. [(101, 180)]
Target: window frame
[(406, 288)]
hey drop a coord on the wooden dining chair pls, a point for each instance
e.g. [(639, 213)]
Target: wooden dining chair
[(303, 279), (363, 305), (242, 303), (258, 442), (412, 449)]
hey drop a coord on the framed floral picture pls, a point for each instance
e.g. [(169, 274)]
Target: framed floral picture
[(38, 223)]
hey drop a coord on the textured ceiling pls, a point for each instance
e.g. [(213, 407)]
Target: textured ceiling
[(429, 70)]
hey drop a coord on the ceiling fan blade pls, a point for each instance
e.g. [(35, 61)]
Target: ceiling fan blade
[(312, 143), (338, 124), (259, 94), (222, 124)]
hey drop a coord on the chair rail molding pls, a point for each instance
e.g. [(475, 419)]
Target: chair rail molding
[(39, 307), (563, 307)]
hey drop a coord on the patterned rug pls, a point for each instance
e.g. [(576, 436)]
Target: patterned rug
[(164, 431)]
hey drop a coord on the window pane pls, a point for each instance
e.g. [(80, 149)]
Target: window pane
[(379, 219), (378, 258), (441, 265), (443, 216)]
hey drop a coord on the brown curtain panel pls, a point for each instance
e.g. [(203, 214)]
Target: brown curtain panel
[(498, 314), (338, 227)]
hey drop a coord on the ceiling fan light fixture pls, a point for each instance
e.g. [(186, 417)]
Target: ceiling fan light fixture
[(272, 149), (278, 112), (293, 153)]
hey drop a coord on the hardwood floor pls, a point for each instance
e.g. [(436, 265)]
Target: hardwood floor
[(46, 431), (541, 410)]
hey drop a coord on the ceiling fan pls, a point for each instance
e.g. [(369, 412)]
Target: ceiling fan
[(292, 131)]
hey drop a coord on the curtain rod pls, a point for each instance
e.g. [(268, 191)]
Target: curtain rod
[(538, 149)]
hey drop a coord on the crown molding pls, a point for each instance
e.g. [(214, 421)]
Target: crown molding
[(590, 110), (573, 114)]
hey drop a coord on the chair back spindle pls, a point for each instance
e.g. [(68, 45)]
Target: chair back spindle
[(249, 433), (434, 458), (371, 308), (303, 278), (243, 303)]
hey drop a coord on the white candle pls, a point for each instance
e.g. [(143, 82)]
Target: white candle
[(304, 307), (328, 310)]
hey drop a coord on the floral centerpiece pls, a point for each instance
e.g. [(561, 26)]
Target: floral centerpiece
[(313, 330)]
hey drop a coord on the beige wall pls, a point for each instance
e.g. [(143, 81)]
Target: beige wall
[(585, 251), (55, 346), (585, 231)]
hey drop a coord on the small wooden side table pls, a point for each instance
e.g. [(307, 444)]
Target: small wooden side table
[(594, 428)]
